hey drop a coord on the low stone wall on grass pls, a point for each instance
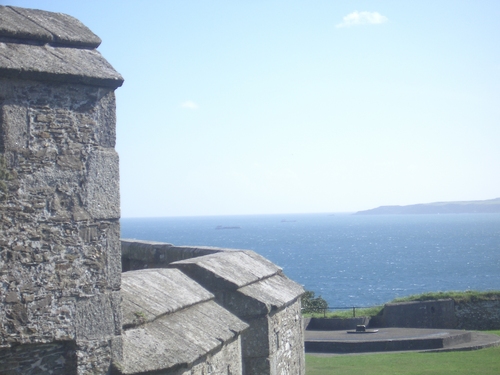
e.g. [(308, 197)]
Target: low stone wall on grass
[(444, 313), (334, 324), (484, 315)]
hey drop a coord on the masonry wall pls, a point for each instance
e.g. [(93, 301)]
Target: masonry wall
[(226, 361), (426, 314), (287, 341), (60, 262), (484, 315)]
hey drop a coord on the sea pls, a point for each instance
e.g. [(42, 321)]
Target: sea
[(351, 260)]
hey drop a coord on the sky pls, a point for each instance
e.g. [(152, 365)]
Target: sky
[(266, 107)]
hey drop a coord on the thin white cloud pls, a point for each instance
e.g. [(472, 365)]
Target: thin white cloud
[(188, 104), (362, 18)]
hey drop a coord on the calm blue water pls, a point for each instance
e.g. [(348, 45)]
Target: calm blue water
[(352, 260)]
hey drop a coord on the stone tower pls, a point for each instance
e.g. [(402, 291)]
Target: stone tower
[(60, 264)]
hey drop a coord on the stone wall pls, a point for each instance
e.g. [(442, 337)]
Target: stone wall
[(484, 315), (226, 361), (425, 314), (59, 196), (287, 341), (334, 324), (478, 315), (447, 314)]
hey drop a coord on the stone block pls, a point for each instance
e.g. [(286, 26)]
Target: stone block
[(98, 316), (113, 253), (14, 128), (101, 192)]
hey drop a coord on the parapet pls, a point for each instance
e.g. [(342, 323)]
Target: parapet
[(138, 255)]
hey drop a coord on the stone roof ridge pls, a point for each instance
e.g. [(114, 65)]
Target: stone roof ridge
[(235, 269), (34, 26)]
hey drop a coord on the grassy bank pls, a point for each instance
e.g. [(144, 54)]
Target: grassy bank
[(483, 362), (457, 296), (467, 296)]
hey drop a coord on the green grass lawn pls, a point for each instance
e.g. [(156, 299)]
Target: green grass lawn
[(480, 362)]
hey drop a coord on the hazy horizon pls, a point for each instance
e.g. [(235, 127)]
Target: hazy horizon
[(241, 108), (293, 213)]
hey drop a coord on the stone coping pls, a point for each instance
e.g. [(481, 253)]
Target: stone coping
[(45, 27), (46, 46)]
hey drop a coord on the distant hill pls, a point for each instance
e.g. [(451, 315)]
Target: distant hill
[(466, 207)]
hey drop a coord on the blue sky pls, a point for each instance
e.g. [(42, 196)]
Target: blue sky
[(256, 107)]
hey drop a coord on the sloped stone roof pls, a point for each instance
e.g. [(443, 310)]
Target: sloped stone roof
[(260, 285), (41, 45), (170, 321)]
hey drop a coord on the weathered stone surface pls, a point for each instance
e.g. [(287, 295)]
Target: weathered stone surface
[(174, 323), (261, 298), (287, 341), (46, 46), (60, 261), (40, 25), (228, 270), (56, 359), (148, 294), (274, 344), (47, 63), (14, 25), (179, 339), (255, 290), (483, 315), (98, 316), (55, 246), (101, 192)]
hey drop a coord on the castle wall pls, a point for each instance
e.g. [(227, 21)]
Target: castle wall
[(226, 361), (60, 263), (274, 344), (60, 259)]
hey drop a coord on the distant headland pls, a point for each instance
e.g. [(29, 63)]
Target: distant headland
[(461, 207)]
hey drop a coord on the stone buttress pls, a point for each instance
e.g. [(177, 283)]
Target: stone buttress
[(60, 264)]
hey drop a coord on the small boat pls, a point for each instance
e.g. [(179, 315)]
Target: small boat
[(224, 227)]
